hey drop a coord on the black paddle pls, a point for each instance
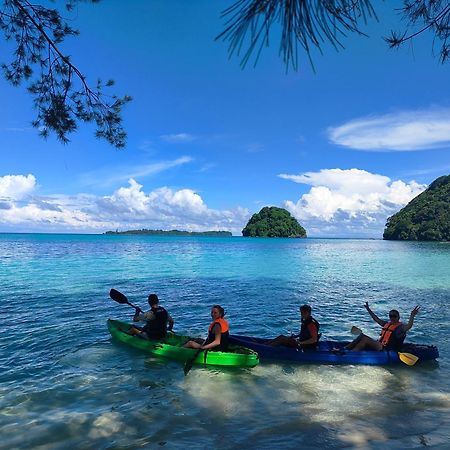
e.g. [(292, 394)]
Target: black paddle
[(188, 364), (120, 298)]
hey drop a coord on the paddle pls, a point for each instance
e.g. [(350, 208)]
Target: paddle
[(407, 358), (188, 364), (120, 298)]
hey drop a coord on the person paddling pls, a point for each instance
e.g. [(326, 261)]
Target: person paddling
[(392, 334), (309, 333), (156, 320), (218, 333)]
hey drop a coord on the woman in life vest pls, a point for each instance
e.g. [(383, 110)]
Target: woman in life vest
[(392, 335), (309, 333), (218, 333)]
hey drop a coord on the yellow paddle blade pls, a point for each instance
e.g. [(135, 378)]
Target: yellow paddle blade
[(408, 358)]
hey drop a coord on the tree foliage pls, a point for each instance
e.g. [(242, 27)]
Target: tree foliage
[(425, 218), (273, 222), (61, 93), (64, 98), (308, 24)]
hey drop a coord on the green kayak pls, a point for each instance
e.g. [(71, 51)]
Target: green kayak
[(171, 347)]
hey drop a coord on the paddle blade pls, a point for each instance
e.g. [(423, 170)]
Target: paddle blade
[(188, 364), (408, 358), (118, 296)]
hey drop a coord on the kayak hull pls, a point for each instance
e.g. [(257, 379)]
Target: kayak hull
[(171, 347), (325, 354)]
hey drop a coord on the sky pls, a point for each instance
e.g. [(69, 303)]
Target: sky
[(342, 147)]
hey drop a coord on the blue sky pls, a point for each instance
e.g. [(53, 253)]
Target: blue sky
[(209, 144)]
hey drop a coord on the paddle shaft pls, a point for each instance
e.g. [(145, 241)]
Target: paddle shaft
[(135, 307), (188, 364)]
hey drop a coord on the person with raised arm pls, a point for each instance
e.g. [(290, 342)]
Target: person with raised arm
[(392, 334)]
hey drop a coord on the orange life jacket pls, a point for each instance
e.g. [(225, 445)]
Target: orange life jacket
[(223, 346), (386, 332), (223, 325)]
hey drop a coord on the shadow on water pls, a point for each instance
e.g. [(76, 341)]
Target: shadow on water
[(111, 396)]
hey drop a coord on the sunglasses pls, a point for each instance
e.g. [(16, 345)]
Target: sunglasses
[(393, 315)]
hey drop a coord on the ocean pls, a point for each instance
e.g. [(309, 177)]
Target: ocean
[(64, 383)]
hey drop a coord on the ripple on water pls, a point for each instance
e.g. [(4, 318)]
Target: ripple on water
[(68, 385)]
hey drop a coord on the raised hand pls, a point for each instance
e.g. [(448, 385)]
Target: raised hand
[(415, 311)]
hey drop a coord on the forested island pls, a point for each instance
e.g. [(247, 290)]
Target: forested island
[(273, 222), (425, 218), (173, 233)]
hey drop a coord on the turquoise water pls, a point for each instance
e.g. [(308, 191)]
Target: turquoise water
[(64, 383)]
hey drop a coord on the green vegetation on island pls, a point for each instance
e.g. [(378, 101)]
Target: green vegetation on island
[(424, 218), (273, 222), (174, 233)]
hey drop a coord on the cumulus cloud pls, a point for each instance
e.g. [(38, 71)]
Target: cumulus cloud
[(16, 187), (128, 207), (401, 131), (177, 138), (349, 202)]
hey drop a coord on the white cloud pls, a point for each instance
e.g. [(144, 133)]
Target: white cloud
[(128, 207), (177, 138), (109, 177), (402, 131), (349, 202), (15, 187)]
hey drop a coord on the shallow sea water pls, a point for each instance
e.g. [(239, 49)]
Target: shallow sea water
[(64, 383)]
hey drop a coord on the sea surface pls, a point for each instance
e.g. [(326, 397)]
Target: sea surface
[(65, 384)]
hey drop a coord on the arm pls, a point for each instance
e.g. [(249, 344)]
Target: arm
[(216, 341), (380, 322), (171, 322), (140, 316), (413, 315), (136, 314), (311, 340)]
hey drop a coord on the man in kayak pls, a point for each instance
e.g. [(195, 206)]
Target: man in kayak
[(392, 334), (156, 320), (218, 333), (309, 333)]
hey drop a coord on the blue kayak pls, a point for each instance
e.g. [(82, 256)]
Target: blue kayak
[(333, 352)]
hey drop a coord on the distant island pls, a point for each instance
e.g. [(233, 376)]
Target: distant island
[(273, 222), (173, 233), (425, 218)]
